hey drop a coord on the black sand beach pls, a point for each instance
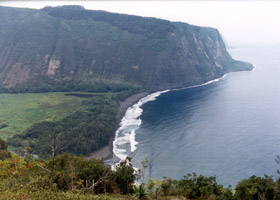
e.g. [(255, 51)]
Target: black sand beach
[(106, 152)]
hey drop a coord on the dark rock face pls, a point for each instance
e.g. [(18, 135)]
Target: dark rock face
[(71, 43)]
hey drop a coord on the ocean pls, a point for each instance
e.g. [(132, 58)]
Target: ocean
[(229, 128)]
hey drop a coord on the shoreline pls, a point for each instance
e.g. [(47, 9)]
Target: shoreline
[(106, 152)]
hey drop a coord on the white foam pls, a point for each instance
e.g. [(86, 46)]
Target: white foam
[(131, 122), (203, 84), (133, 142)]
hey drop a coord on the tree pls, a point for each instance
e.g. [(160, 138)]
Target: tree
[(141, 172), (3, 145), (201, 187), (91, 184), (259, 188), (166, 186), (4, 153), (154, 187), (55, 149), (73, 172), (125, 176)]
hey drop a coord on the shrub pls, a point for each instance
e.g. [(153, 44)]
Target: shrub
[(125, 176), (256, 188)]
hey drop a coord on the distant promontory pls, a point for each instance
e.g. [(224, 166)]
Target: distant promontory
[(102, 58)]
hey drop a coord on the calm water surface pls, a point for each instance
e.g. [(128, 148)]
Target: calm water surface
[(229, 128)]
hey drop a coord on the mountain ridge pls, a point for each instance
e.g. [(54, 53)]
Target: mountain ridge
[(69, 43), (103, 58)]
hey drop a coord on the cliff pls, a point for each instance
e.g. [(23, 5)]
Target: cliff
[(70, 43)]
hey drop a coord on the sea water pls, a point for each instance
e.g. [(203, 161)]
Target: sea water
[(229, 128)]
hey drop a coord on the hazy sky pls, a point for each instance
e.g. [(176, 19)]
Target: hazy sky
[(240, 22)]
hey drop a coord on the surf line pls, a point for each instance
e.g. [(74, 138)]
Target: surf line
[(125, 135), (125, 142)]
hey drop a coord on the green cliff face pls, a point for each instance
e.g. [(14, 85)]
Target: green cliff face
[(73, 44), (111, 56)]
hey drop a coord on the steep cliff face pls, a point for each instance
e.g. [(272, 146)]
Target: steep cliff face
[(71, 43)]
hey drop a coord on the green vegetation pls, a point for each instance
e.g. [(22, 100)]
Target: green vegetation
[(3, 145), (74, 177), (49, 49), (81, 132), (140, 191), (63, 73), (20, 111), (150, 27), (125, 176), (258, 188), (72, 86), (4, 154), (85, 120), (103, 58)]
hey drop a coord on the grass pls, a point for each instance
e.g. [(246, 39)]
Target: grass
[(20, 111), (58, 195)]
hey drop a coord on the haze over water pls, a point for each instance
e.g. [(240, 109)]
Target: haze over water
[(229, 128)]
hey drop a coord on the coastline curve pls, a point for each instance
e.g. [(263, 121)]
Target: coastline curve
[(125, 137)]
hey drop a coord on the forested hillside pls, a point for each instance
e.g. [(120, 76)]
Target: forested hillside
[(70, 49), (69, 44)]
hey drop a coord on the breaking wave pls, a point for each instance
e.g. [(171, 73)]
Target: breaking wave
[(125, 142)]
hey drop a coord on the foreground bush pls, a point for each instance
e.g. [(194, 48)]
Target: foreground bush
[(23, 194), (4, 150), (76, 172), (74, 177), (125, 176), (68, 177), (190, 187), (258, 188)]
